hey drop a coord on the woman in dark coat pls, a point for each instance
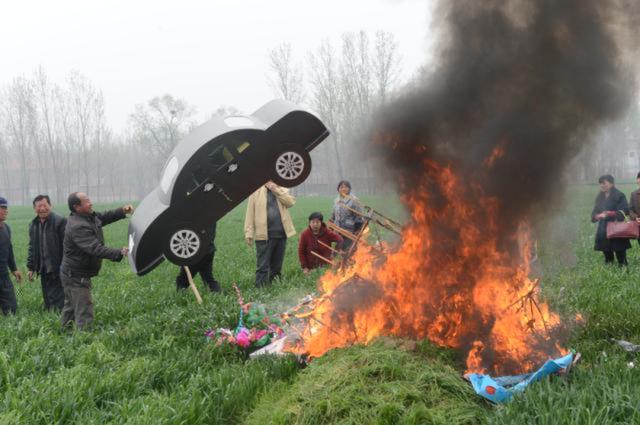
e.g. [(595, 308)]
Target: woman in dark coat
[(609, 204)]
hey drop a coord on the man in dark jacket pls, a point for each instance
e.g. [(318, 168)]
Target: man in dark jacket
[(46, 234), (8, 301), (84, 250), (310, 242), (204, 267)]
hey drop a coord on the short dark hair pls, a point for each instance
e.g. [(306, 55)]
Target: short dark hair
[(73, 200), (343, 182), (40, 198), (638, 176), (607, 177), (316, 215)]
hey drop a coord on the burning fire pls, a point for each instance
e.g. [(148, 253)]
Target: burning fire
[(453, 279)]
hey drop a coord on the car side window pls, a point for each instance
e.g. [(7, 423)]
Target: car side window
[(226, 153), (221, 156), (242, 147)]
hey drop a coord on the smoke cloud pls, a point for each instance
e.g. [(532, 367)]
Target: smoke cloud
[(530, 78)]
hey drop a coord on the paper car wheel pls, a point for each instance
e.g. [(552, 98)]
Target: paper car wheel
[(184, 244), (292, 167)]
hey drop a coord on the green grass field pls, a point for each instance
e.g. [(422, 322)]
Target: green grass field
[(148, 362)]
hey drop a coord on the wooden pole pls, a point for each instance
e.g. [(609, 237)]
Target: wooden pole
[(347, 234), (193, 285), (329, 247), (322, 258)]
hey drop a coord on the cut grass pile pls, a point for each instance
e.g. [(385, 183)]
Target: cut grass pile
[(382, 383)]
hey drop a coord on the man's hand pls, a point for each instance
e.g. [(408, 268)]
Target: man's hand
[(18, 275), (30, 275), (249, 242), (306, 271), (128, 209), (271, 185), (600, 216), (124, 251)]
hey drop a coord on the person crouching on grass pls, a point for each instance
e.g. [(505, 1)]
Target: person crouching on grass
[(310, 242)]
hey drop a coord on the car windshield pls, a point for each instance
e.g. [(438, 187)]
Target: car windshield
[(170, 172)]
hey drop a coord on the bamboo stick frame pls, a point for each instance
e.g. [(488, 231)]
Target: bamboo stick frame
[(326, 260), (335, 251)]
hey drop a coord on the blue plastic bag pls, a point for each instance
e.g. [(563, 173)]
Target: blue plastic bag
[(502, 388)]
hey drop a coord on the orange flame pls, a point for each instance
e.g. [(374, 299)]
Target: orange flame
[(451, 280)]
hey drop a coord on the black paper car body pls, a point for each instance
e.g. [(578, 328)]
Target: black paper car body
[(211, 171)]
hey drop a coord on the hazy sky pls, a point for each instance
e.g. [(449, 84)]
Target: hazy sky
[(207, 52)]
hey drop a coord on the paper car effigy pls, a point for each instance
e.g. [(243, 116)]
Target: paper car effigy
[(211, 171)]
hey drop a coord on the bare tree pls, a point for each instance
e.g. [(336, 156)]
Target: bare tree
[(101, 136), (160, 124), (4, 163), (65, 130), (355, 76), (326, 95), (287, 81), (45, 98), (87, 111), (19, 114), (385, 63)]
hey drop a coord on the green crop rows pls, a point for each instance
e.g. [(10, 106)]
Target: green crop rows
[(147, 360)]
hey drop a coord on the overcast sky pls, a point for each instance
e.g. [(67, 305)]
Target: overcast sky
[(207, 52)]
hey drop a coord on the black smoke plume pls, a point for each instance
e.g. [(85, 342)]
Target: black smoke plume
[(534, 77)]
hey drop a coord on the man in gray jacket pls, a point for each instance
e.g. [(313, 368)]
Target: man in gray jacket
[(84, 250), (46, 234)]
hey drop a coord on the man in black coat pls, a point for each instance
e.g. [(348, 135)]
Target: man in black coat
[(8, 301), (610, 205), (84, 250), (46, 234)]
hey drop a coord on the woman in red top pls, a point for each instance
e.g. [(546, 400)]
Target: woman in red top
[(317, 231)]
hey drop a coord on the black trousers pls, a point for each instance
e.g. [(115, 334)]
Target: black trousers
[(205, 268), (621, 256), (8, 301), (52, 291), (270, 256)]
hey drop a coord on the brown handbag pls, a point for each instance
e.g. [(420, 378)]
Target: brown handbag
[(627, 229)]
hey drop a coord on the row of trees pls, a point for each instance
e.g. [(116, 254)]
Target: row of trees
[(54, 138), (49, 134), (344, 85), (616, 151)]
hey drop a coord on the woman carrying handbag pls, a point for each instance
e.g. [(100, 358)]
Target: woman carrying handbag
[(611, 205)]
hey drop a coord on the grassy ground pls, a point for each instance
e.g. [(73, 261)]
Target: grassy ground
[(147, 361)]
